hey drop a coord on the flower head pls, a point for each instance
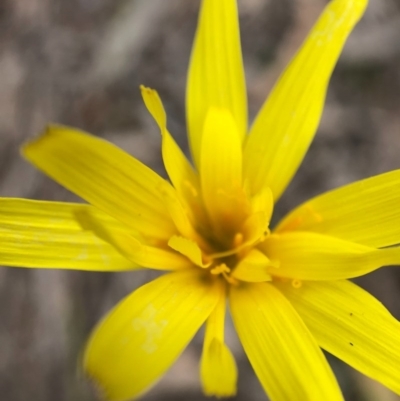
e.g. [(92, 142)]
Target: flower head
[(209, 227)]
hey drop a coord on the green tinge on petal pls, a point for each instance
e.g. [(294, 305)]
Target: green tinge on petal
[(352, 325), (286, 124), (146, 332)]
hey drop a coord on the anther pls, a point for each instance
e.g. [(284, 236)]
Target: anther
[(238, 240), (220, 269)]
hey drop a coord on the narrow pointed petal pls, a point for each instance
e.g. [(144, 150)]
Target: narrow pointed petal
[(311, 256), (286, 124), (221, 169), (283, 353), (366, 212), (155, 107), (179, 169), (352, 325), (105, 176), (218, 368), (216, 76), (48, 235), (253, 268), (142, 337)]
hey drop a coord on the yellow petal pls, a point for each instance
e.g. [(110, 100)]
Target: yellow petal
[(263, 201), (218, 370), (135, 248), (217, 366), (190, 249), (366, 212), (142, 337), (105, 176), (48, 235), (255, 227), (284, 355), (253, 268), (286, 124), (352, 325), (221, 169), (179, 214), (154, 106), (146, 255), (310, 256), (216, 76), (180, 171), (185, 181)]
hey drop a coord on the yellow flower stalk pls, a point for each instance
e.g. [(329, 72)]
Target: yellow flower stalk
[(286, 287)]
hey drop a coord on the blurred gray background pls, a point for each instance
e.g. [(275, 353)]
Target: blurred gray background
[(80, 62)]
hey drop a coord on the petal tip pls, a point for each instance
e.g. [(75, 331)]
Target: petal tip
[(98, 389), (49, 130)]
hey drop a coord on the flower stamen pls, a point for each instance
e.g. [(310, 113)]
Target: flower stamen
[(238, 240), (225, 271), (220, 269)]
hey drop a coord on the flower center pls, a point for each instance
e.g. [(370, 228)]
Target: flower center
[(224, 262), (224, 241)]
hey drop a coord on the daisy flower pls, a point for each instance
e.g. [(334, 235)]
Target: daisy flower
[(287, 287)]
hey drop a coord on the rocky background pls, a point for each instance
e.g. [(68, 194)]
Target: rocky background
[(80, 62)]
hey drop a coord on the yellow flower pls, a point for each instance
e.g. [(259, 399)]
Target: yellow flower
[(287, 288)]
